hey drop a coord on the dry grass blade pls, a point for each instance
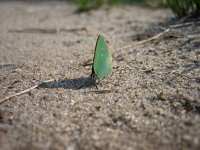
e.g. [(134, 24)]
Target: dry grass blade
[(24, 91), (184, 24), (45, 30), (147, 40)]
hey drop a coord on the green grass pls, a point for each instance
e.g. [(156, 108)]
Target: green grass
[(179, 7), (184, 7), (84, 5)]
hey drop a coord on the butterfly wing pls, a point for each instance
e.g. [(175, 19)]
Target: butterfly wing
[(102, 62)]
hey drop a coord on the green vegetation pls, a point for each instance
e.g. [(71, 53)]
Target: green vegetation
[(184, 7), (179, 7), (84, 5)]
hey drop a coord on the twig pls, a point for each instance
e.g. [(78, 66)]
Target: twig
[(184, 24), (147, 40), (45, 30), (6, 65), (100, 91), (87, 63), (24, 91), (193, 36), (33, 30), (72, 29), (155, 36), (162, 33)]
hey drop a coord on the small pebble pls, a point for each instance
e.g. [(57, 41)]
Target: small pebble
[(73, 146), (18, 70)]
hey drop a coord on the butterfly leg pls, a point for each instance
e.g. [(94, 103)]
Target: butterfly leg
[(98, 83)]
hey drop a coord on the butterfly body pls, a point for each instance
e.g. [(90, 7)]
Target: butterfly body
[(102, 61)]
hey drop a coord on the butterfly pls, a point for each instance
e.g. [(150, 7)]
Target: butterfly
[(102, 61)]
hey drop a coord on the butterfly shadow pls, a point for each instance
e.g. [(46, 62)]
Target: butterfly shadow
[(74, 84)]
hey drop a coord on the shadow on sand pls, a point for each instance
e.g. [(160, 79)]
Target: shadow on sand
[(75, 84)]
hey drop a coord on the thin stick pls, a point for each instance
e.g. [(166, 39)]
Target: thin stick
[(24, 91), (184, 24), (147, 40), (193, 36), (46, 30), (162, 33), (33, 30)]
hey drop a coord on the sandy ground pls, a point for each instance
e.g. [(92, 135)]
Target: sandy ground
[(151, 100)]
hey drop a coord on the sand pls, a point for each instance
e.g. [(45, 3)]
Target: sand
[(151, 100)]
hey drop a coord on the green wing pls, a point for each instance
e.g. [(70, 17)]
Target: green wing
[(102, 62)]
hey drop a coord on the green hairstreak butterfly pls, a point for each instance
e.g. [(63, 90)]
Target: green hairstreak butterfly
[(102, 61)]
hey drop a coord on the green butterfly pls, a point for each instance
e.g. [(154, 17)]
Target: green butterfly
[(102, 61)]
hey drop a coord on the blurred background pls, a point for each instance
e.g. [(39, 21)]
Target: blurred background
[(179, 7)]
